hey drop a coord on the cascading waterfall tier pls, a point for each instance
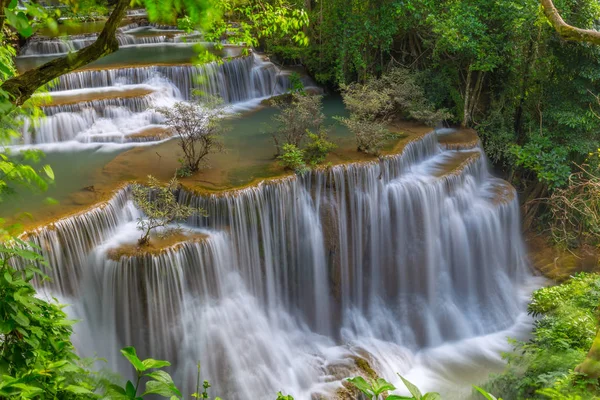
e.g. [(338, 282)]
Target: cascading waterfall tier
[(301, 274), (235, 80), (120, 119)]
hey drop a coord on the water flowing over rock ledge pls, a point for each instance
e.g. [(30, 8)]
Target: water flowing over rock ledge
[(360, 260)]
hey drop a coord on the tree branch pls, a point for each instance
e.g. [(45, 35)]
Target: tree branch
[(3, 4), (21, 87), (565, 30)]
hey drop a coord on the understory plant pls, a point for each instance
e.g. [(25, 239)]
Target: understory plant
[(161, 209), (575, 208), (37, 358), (555, 362), (374, 388)]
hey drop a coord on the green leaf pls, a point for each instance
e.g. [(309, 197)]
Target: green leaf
[(12, 4), (130, 390), (78, 390), (381, 385), (151, 363), (160, 388), (20, 318), (412, 388), (165, 379), (485, 394), (362, 385), (432, 396), (130, 354), (48, 171), (396, 397), (5, 69), (117, 389)]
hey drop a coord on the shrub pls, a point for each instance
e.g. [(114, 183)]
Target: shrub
[(317, 148), (562, 336), (160, 206), (198, 127), (292, 158), (370, 135), (374, 104), (575, 208), (297, 116)]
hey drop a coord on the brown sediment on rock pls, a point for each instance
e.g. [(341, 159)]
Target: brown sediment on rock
[(557, 263), (162, 160), (98, 199), (157, 245), (88, 95), (154, 133), (462, 139)]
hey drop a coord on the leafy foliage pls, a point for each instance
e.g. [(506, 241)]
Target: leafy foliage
[(250, 21), (298, 114), (374, 104), (563, 334), (160, 207), (292, 158), (158, 382), (317, 148), (374, 388), (37, 359)]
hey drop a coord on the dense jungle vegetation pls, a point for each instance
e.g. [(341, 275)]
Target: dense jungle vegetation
[(499, 67)]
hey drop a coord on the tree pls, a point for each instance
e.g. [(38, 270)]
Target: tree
[(565, 30), (263, 20), (20, 88), (375, 103), (199, 129), (297, 115), (161, 208)]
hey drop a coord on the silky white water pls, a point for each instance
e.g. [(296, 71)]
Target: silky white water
[(412, 263), (118, 119)]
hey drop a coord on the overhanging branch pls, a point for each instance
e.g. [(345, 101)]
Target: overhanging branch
[(565, 30), (21, 87)]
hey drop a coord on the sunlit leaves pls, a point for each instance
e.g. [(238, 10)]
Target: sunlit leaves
[(159, 382)]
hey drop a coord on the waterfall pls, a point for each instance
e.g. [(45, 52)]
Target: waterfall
[(103, 105), (57, 46), (236, 80), (297, 276)]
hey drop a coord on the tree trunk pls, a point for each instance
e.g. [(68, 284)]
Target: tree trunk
[(21, 87), (518, 125), (565, 30), (465, 121)]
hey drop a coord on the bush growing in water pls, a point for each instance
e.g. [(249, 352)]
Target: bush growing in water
[(292, 158), (297, 115), (300, 115), (317, 148), (198, 128), (551, 364)]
